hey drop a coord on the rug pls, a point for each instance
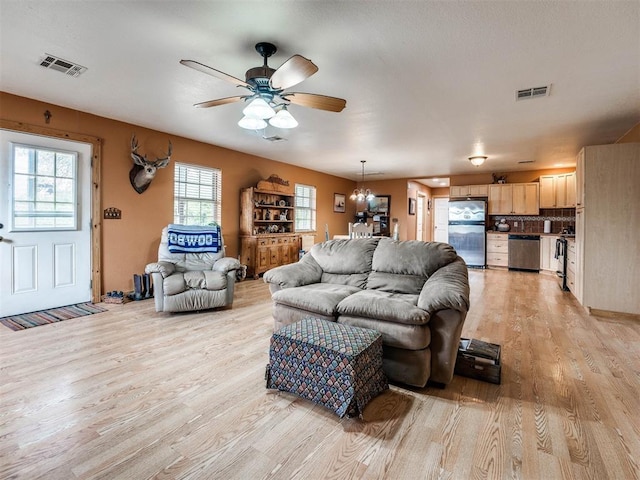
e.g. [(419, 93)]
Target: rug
[(44, 317)]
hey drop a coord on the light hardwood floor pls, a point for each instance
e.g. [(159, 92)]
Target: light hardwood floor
[(132, 394)]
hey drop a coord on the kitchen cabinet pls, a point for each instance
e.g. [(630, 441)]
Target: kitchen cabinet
[(607, 228), (469, 191), (267, 237), (513, 199), (571, 266), (580, 180), (558, 191), (497, 250), (548, 260)]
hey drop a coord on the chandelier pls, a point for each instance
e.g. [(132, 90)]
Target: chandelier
[(360, 194), (259, 111)]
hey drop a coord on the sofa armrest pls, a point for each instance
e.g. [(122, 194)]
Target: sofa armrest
[(304, 272), (163, 268), (447, 288), (226, 264)]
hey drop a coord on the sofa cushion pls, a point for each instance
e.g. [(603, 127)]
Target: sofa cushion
[(322, 298), (392, 307), (410, 337), (345, 257), (303, 272), (447, 288), (395, 283), (411, 257)]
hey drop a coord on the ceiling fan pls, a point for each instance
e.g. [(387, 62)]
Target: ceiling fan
[(267, 97)]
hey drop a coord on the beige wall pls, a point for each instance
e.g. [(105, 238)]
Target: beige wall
[(130, 243), (631, 136)]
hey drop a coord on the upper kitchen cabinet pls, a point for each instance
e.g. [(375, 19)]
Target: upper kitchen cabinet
[(469, 191), (513, 199), (558, 191)]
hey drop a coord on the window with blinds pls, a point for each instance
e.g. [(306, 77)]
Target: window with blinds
[(305, 208), (197, 195)]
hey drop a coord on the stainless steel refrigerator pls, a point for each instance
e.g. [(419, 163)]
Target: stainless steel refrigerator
[(467, 230)]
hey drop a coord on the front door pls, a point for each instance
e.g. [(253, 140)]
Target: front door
[(45, 213)]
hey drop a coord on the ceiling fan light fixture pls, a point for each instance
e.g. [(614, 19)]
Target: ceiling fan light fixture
[(477, 160), (252, 123), (283, 119), (258, 108)]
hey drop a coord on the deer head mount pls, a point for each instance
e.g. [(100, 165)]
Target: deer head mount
[(143, 170)]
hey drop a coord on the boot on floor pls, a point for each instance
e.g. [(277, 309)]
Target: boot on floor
[(137, 287), (148, 285)]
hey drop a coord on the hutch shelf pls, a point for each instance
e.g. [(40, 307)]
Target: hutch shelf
[(267, 237)]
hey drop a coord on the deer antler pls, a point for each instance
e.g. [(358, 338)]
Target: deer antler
[(163, 162)]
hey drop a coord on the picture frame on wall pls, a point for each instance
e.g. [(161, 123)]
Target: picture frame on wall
[(412, 206), (339, 202), (380, 204)]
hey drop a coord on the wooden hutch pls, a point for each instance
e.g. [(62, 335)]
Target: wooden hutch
[(267, 233)]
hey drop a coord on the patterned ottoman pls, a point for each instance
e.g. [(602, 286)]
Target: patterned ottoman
[(334, 365)]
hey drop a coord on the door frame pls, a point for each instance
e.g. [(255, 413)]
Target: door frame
[(421, 209), (96, 206)]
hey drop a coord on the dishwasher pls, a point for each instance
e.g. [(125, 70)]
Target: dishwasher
[(524, 252)]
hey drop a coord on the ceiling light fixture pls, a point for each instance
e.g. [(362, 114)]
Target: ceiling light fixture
[(283, 119), (252, 123), (477, 160), (361, 194), (260, 110)]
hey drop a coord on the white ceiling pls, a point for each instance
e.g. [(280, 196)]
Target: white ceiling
[(427, 84)]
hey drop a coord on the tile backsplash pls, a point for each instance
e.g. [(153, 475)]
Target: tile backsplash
[(561, 218)]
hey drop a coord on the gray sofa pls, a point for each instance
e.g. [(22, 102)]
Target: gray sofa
[(415, 293)]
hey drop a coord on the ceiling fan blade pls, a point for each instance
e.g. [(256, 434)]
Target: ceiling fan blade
[(220, 101), (321, 102), (213, 72), (292, 72)]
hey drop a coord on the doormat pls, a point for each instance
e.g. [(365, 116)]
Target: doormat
[(44, 317)]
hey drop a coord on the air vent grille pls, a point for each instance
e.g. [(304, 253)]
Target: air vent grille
[(64, 66), (534, 92), (526, 161), (274, 138)]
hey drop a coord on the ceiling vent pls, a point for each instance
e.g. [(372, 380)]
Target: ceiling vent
[(526, 161), (534, 92), (274, 138), (64, 66)]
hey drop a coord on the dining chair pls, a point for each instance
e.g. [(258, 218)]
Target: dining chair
[(361, 230)]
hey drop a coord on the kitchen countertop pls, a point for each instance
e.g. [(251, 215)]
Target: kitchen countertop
[(531, 233)]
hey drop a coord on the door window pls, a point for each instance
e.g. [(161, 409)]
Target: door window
[(44, 193)]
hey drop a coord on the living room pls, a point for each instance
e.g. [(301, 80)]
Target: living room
[(135, 393)]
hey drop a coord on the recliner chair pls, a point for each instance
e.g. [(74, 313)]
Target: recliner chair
[(192, 281)]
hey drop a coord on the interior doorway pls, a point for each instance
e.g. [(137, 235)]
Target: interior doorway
[(441, 219)]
